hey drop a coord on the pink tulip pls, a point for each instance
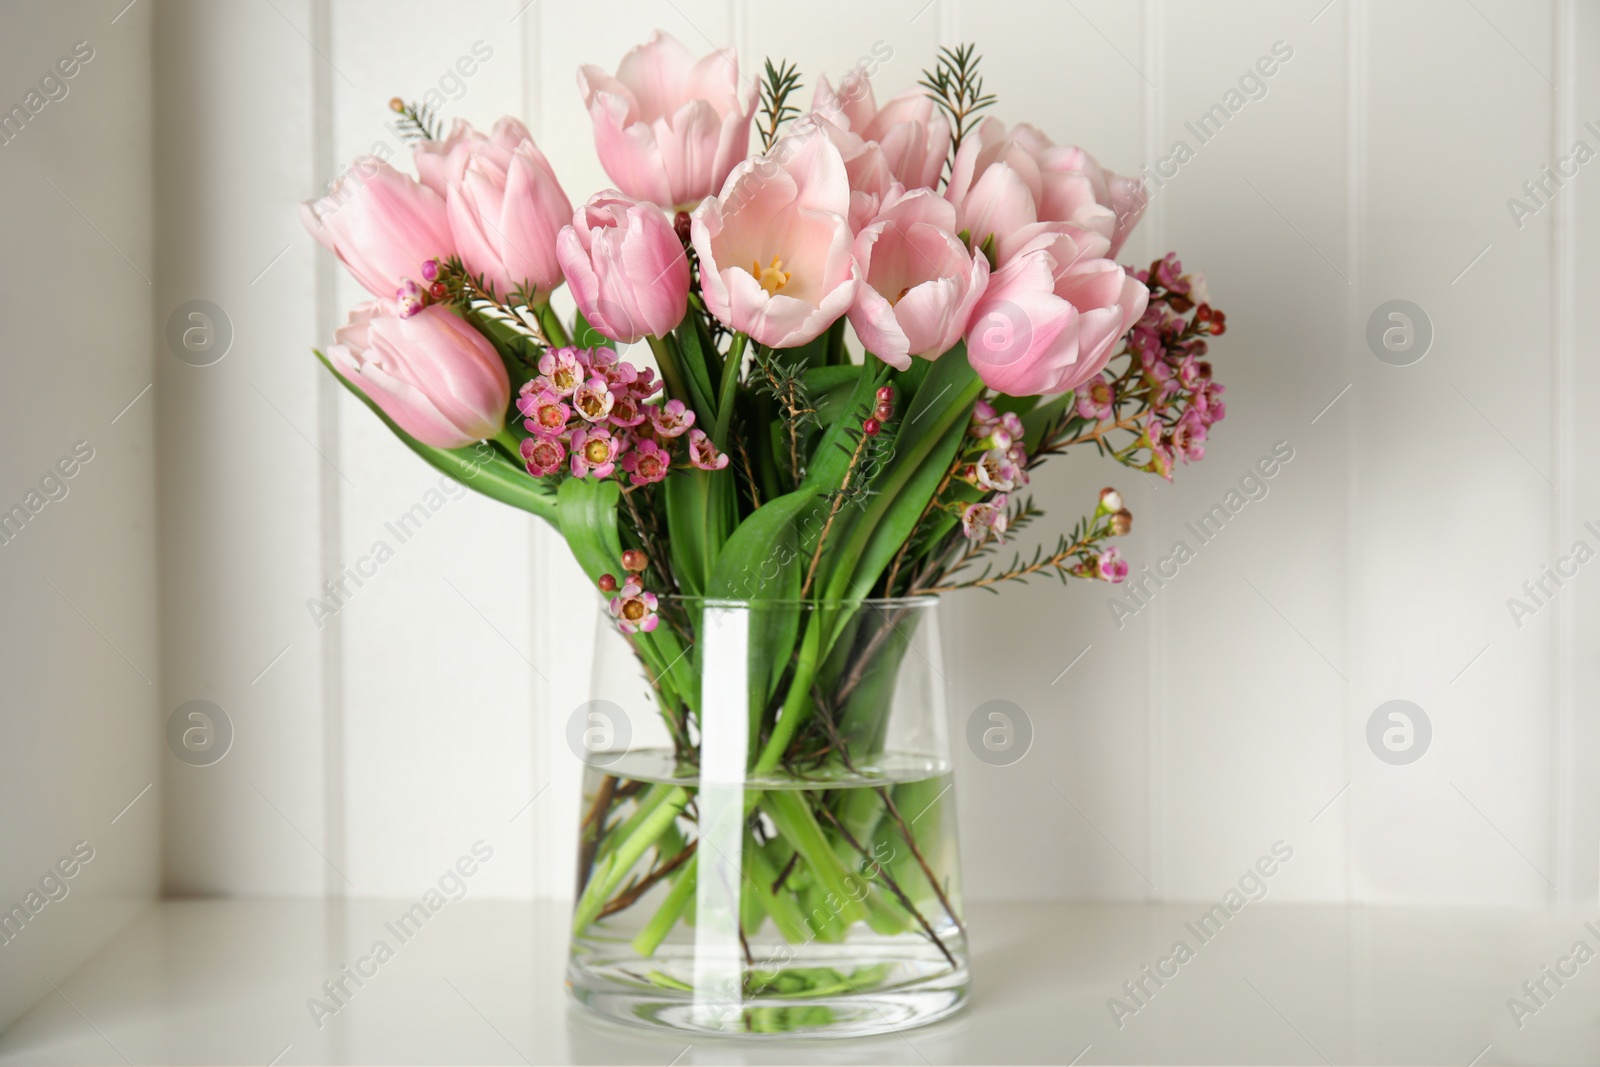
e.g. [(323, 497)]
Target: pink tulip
[(669, 129), (504, 203), (1052, 315), (775, 247), (1124, 196), (1002, 183), (626, 267), (381, 224), (433, 374), (920, 283), (865, 166), (912, 136)]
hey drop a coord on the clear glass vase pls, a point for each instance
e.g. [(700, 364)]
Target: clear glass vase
[(767, 838)]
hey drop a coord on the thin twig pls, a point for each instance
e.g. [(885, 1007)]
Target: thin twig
[(888, 880), (905, 831), (630, 896), (833, 511)]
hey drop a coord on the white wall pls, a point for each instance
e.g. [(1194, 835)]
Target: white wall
[(80, 724), (431, 709)]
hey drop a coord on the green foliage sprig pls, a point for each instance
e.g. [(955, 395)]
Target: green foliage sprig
[(957, 89), (778, 84)]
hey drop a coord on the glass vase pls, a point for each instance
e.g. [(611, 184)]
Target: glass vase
[(767, 835)]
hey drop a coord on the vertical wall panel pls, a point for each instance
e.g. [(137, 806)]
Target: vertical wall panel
[(439, 675), (82, 709), (1454, 456), (240, 461)]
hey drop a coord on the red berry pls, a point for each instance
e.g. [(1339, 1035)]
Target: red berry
[(438, 291), (884, 411), (871, 427), (886, 394), (635, 561), (608, 583)]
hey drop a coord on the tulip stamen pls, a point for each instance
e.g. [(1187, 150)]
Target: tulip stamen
[(772, 278)]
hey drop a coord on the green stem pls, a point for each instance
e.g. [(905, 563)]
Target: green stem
[(730, 388), (554, 330), (781, 905), (649, 939), (799, 827), (632, 846), (671, 369), (509, 440), (796, 703)]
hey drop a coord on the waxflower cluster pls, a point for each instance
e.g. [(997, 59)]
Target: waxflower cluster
[(590, 410), (1169, 341)]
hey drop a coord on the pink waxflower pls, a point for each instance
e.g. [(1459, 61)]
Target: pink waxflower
[(997, 469), (668, 128), (626, 411), (382, 225), (704, 454), (775, 247), (1111, 567), (594, 452), (409, 298), (1152, 435), (914, 139), (562, 370), (434, 375), (633, 608), (920, 283), (505, 205), (671, 418), (593, 400), (543, 455), (547, 414), (1094, 399), (979, 519), (1051, 316), (647, 462), (626, 267)]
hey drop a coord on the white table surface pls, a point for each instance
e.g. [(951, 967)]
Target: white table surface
[(227, 981)]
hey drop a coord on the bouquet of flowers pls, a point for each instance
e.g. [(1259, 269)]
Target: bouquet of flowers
[(754, 459)]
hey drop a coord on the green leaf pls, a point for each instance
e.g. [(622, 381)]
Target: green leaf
[(699, 362), (478, 467), (926, 444), (588, 513), (701, 513)]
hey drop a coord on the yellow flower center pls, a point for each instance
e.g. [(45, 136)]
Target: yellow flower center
[(771, 278), (596, 451)]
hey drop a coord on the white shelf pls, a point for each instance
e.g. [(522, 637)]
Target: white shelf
[(227, 981)]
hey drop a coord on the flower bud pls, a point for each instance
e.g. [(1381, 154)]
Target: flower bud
[(1121, 522), (634, 561), (1110, 501), (608, 583)]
